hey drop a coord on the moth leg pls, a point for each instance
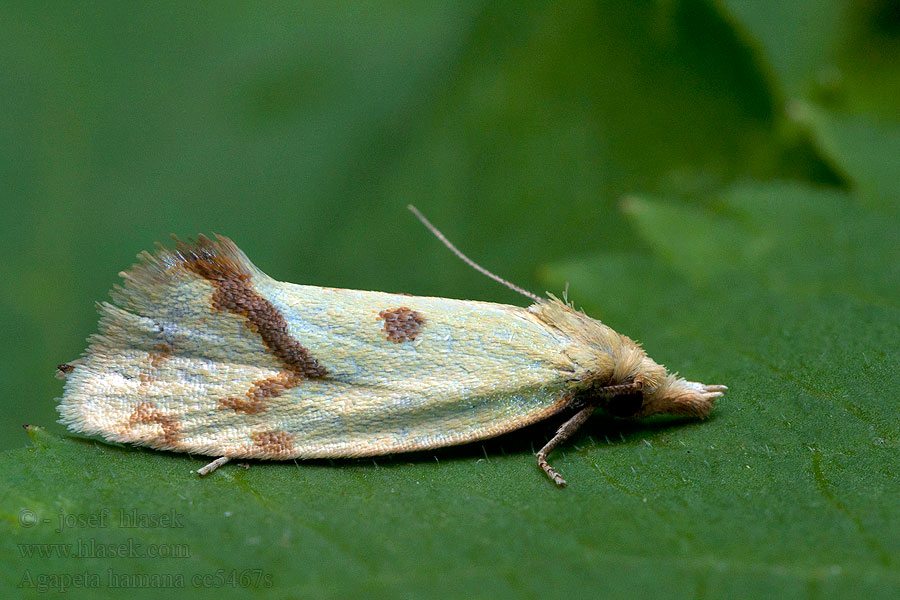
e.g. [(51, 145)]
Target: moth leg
[(212, 466), (565, 430)]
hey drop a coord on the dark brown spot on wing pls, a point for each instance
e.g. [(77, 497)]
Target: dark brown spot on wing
[(146, 413), (234, 293), (65, 368), (274, 443), (401, 324), (254, 400)]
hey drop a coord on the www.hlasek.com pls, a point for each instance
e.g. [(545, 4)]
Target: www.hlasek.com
[(91, 548)]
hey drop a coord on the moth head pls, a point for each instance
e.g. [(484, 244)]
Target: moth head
[(676, 396)]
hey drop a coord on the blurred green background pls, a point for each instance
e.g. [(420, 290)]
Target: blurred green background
[(717, 179)]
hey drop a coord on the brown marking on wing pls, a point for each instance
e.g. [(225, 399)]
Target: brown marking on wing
[(146, 379), (254, 400), (401, 324), (146, 413), (155, 359), (160, 354), (234, 293), (274, 443), (66, 368)]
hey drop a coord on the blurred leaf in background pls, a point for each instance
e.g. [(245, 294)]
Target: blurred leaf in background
[(716, 179)]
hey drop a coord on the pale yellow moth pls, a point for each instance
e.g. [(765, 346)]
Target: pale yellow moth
[(202, 352)]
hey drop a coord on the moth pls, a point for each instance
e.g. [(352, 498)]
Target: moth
[(201, 352)]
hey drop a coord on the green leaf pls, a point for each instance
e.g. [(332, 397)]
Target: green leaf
[(837, 52), (797, 38), (836, 62), (861, 147), (789, 238)]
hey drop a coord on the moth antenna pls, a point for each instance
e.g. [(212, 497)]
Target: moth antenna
[(434, 230)]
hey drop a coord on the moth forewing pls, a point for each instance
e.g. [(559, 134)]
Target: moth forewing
[(204, 353)]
